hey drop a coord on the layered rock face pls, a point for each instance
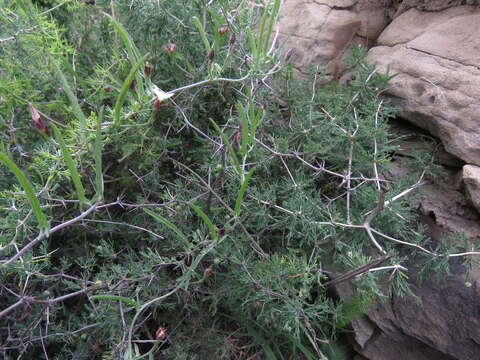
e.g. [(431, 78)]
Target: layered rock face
[(318, 32), (437, 58), (434, 47)]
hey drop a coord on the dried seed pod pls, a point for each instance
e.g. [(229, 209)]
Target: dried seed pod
[(233, 39), (107, 88), (148, 69), (170, 48), (211, 55), (222, 30), (133, 85)]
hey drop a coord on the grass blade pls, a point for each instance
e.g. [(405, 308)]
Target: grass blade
[(269, 354), (245, 129), (72, 167), (241, 192), (229, 147), (273, 18), (207, 221), (123, 91), (132, 50), (28, 188), (98, 157), (77, 111), (203, 34), (123, 299), (169, 225)]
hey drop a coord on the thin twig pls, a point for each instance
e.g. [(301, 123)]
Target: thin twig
[(42, 236)]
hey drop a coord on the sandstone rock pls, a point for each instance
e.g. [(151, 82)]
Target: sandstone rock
[(444, 325), (471, 179), (317, 32), (433, 5), (437, 58)]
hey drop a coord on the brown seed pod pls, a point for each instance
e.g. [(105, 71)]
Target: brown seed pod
[(211, 55), (133, 85), (233, 39), (147, 69)]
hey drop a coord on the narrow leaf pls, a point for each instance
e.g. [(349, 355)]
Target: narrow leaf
[(203, 34), (132, 50), (245, 128), (124, 299), (98, 156), (169, 225), (77, 111), (124, 89), (213, 229), (229, 147), (28, 188), (72, 167), (241, 192)]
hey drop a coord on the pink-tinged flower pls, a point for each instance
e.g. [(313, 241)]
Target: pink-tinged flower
[(208, 271), (170, 48), (161, 333), (157, 104), (222, 30), (38, 121)]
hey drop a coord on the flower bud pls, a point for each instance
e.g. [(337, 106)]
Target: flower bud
[(157, 104), (223, 30), (208, 271), (170, 48), (38, 121), (161, 333)]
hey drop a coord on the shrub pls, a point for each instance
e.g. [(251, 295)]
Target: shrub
[(182, 194)]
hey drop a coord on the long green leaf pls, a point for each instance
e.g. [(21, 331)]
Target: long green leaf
[(72, 167), (229, 147), (273, 18), (124, 299), (77, 111), (245, 128), (203, 34), (269, 354), (98, 156), (123, 91), (132, 50), (28, 188), (169, 225), (213, 229), (241, 192)]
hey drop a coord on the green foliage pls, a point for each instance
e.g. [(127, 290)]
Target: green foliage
[(218, 206)]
